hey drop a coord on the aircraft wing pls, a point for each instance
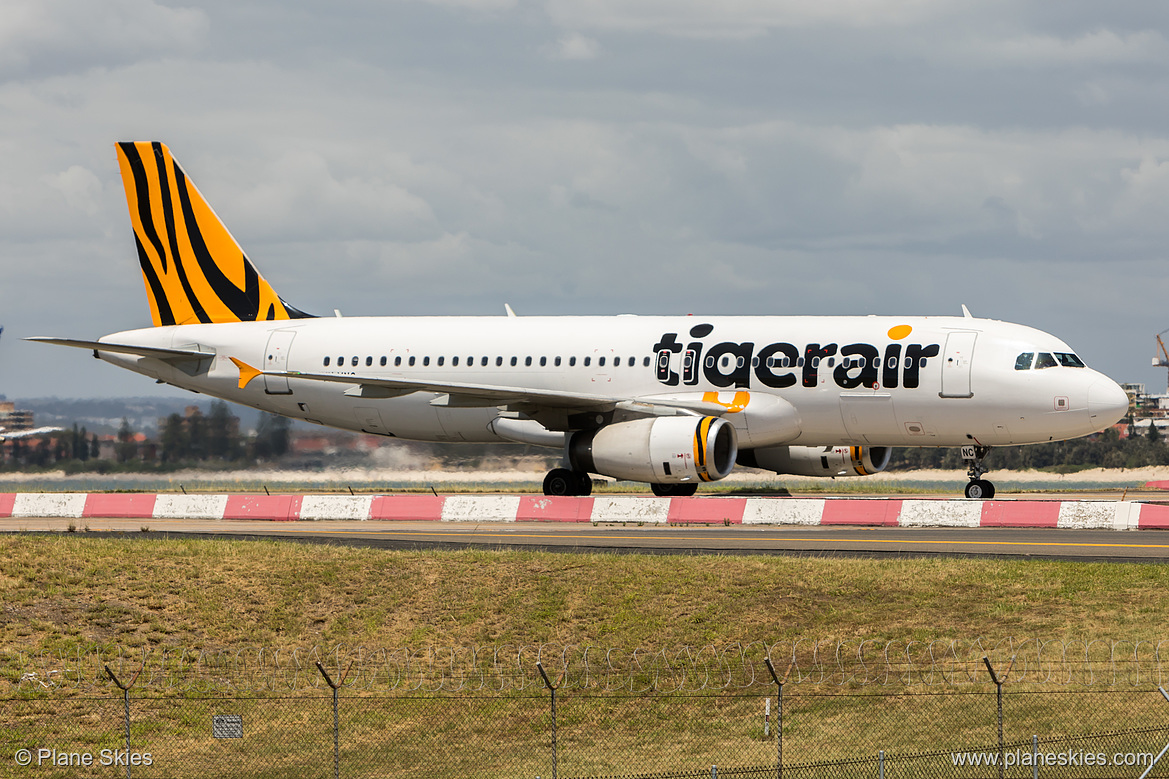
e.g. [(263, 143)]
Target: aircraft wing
[(468, 395), (142, 351)]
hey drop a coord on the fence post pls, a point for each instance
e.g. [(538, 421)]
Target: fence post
[(999, 684), (336, 723), (125, 688), (779, 714), (1157, 759), (552, 688)]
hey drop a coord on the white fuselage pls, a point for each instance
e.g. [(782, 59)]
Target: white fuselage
[(888, 381)]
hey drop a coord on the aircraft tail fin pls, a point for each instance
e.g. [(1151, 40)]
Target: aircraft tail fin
[(193, 269)]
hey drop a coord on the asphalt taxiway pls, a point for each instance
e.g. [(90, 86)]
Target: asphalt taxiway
[(1146, 546)]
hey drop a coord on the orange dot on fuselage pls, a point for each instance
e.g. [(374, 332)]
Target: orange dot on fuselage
[(899, 332)]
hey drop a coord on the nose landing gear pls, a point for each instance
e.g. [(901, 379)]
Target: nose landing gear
[(977, 488)]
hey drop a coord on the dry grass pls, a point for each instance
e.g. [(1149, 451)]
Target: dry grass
[(68, 589), (59, 591)]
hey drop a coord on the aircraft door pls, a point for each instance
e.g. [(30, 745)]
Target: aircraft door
[(956, 362), (276, 359)]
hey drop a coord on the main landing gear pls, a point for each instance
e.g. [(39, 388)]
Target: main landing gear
[(561, 481), (977, 488), (684, 490)]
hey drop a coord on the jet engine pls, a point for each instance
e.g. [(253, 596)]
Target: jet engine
[(663, 450), (818, 460)]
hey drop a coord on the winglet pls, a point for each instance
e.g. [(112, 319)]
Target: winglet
[(246, 372)]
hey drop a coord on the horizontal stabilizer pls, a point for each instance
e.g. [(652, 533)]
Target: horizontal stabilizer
[(170, 355)]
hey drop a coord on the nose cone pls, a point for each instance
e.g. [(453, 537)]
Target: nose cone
[(1107, 403)]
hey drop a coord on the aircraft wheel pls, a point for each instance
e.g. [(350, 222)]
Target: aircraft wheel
[(584, 484), (674, 490), (979, 489), (561, 481)]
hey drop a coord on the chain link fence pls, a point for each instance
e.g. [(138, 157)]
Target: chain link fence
[(776, 726)]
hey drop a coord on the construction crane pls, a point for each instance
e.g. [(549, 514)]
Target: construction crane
[(1162, 360)]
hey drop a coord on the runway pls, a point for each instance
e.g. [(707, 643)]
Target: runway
[(854, 541)]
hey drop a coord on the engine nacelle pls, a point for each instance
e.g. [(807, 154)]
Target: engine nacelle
[(663, 450), (818, 460)]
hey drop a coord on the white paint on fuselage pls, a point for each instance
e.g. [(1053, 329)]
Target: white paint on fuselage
[(1005, 406)]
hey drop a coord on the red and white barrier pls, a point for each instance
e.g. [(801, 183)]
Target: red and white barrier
[(606, 509)]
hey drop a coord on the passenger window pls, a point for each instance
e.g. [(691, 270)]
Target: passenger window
[(354, 362), (498, 361), (383, 361), (527, 362), (1023, 361), (587, 360), (513, 362), (543, 361), (600, 362), (440, 361), (571, 362), (426, 361), (645, 363), (455, 361), (831, 361), (483, 362), (368, 361), (557, 362), (726, 361), (709, 361), (326, 362), (616, 362), (411, 361), (1044, 360), (398, 362)]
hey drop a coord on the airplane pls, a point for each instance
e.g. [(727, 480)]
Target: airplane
[(673, 401), (6, 435)]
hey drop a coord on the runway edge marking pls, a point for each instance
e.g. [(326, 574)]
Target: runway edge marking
[(603, 509)]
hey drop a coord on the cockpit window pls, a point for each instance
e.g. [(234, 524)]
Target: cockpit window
[(1045, 360), (1069, 360), (1023, 361)]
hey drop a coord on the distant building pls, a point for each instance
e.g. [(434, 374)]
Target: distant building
[(14, 419), (1142, 405)]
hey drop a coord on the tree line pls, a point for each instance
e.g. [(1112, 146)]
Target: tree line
[(183, 439), (1103, 450)]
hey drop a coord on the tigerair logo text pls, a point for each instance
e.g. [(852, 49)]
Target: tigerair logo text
[(781, 364)]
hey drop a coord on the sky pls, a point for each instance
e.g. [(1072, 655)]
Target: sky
[(766, 157)]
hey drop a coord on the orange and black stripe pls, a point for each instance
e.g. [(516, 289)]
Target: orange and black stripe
[(857, 455), (193, 269), (701, 431)]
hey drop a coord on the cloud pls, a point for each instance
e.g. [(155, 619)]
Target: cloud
[(57, 36), (1100, 47), (732, 18), (574, 46)]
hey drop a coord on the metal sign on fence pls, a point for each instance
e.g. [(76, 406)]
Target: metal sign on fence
[(227, 726)]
